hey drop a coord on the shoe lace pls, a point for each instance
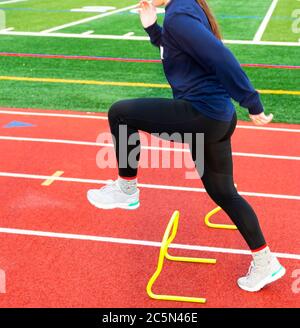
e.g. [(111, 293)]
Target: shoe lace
[(110, 184), (251, 269)]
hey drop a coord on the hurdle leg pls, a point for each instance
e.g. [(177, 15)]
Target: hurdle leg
[(167, 239)]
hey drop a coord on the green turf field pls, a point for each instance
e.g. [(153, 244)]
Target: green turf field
[(239, 20)]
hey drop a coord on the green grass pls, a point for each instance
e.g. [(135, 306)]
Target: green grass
[(118, 71), (136, 49), (241, 25), (280, 25), (118, 24), (32, 16), (99, 98), (239, 21)]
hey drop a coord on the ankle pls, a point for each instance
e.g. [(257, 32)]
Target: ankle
[(128, 185), (262, 255)]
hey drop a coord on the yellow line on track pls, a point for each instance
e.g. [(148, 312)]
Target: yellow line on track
[(49, 181), (123, 84)]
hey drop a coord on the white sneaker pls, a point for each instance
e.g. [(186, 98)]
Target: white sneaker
[(259, 276), (111, 196)]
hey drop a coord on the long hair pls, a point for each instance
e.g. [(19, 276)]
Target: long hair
[(211, 18)]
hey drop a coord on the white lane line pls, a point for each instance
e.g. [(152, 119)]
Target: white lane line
[(291, 158), (102, 144), (11, 1), (89, 19), (141, 38), (95, 117), (104, 117), (261, 30), (136, 242), (249, 127), (141, 185)]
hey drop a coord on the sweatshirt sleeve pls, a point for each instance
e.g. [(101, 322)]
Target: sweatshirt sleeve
[(200, 43), (154, 31)]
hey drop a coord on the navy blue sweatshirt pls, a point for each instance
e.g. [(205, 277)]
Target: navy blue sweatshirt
[(199, 68)]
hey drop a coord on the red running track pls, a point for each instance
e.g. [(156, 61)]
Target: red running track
[(44, 271)]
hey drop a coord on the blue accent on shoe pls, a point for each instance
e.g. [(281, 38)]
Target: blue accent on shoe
[(275, 273)]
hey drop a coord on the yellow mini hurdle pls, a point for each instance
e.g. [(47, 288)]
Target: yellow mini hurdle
[(167, 240), (218, 225)]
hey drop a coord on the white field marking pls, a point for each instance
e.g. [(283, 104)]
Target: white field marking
[(261, 30), (263, 43), (8, 29), (102, 144), (104, 117), (88, 32), (49, 182), (136, 242), (10, 1), (94, 9), (140, 38), (141, 185), (89, 19), (129, 34)]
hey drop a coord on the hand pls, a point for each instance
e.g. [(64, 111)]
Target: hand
[(148, 14), (261, 119)]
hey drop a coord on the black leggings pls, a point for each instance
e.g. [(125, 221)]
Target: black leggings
[(178, 116)]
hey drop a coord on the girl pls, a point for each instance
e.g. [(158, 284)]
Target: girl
[(204, 76)]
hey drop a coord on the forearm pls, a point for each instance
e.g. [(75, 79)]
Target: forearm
[(154, 31)]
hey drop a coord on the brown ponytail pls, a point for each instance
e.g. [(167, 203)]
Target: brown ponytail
[(211, 18)]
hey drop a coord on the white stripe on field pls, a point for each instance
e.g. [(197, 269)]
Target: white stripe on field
[(7, 2), (261, 30), (88, 32), (89, 19), (104, 117), (136, 242), (142, 185), (8, 29), (102, 144), (141, 38)]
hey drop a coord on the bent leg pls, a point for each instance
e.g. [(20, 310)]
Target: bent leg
[(152, 115), (219, 184)]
